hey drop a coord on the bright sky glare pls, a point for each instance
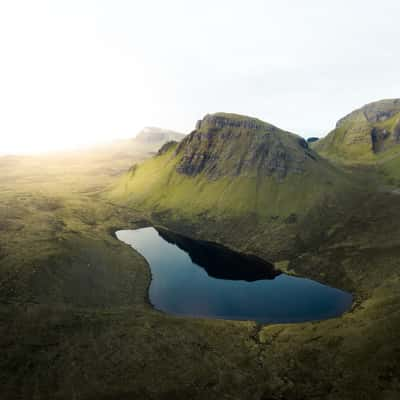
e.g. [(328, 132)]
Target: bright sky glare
[(80, 71)]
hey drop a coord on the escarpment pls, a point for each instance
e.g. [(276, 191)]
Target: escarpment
[(365, 133), (233, 166), (224, 145)]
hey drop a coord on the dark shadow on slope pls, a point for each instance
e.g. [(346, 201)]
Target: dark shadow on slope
[(220, 262)]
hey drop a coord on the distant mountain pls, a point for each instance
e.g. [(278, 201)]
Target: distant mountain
[(366, 134), (120, 154), (232, 166), (147, 142), (90, 167), (157, 136)]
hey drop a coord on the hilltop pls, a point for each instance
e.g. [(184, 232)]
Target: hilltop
[(366, 134), (369, 135), (233, 167)]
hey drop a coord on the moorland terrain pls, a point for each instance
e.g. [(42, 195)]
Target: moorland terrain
[(75, 319)]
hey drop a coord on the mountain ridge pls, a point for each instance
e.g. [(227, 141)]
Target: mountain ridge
[(366, 134), (232, 170), (243, 145)]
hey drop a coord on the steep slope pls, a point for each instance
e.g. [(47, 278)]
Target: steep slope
[(232, 166), (368, 134)]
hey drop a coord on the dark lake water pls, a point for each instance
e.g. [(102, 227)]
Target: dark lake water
[(202, 279)]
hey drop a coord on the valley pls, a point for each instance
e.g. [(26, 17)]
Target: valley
[(76, 321)]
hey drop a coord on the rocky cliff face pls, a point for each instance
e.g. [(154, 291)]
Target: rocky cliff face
[(233, 145), (222, 120), (378, 111), (368, 131), (166, 147), (232, 167)]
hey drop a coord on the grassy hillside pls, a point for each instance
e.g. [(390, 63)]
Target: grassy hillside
[(233, 171), (365, 135), (75, 321)]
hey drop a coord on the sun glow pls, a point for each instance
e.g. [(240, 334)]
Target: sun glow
[(82, 71), (62, 86)]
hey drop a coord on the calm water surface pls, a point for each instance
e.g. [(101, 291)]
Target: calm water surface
[(202, 279)]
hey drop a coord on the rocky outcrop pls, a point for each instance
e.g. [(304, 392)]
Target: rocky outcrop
[(232, 145), (364, 133), (382, 110), (378, 111), (220, 121), (166, 146), (378, 138), (233, 167), (396, 133)]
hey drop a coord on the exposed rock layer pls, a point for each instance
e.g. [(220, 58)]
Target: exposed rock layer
[(232, 145), (370, 130)]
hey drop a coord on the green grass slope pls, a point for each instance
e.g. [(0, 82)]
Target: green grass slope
[(369, 134), (232, 166), (75, 322)]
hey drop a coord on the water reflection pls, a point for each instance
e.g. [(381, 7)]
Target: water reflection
[(202, 279), (220, 262)]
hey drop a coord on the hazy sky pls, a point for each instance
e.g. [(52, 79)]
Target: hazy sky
[(74, 72)]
